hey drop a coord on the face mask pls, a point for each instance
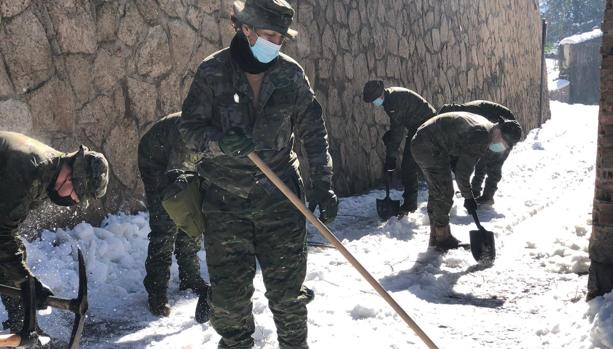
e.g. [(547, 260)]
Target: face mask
[(264, 50), (497, 147), (378, 102), (60, 200)]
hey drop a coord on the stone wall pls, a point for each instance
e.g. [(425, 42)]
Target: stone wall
[(100, 72)]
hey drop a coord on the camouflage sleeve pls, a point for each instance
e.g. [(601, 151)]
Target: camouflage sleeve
[(310, 129), (476, 146), (446, 108), (12, 257), (396, 136), (196, 124), (494, 172)]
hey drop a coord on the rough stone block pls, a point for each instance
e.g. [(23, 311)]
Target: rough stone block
[(10, 8), (74, 26), (107, 21), (26, 50), (140, 95), (79, 74), (15, 116), (132, 26), (107, 71), (153, 58), (53, 107), (182, 41)]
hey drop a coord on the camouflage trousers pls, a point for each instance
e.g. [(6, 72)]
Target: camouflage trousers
[(435, 165), (265, 228), (13, 305), (409, 173), (600, 280), (164, 238)]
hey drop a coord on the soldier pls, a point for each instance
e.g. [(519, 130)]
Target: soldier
[(159, 151), (491, 163), (31, 172), (252, 97), (465, 137), (407, 111)]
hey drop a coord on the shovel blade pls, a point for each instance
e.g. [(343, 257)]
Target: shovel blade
[(482, 245), (387, 208)]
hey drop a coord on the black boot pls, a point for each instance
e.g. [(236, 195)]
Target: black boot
[(158, 305), (203, 309)]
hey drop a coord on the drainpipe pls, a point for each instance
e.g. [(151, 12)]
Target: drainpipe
[(543, 67)]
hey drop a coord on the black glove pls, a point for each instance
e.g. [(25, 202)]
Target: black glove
[(42, 293), (236, 143), (327, 201), (390, 164), (470, 205)]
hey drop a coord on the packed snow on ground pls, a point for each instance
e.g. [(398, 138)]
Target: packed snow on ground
[(583, 37), (532, 297), (553, 72)]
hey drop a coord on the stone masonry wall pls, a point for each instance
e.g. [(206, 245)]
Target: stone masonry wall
[(100, 72)]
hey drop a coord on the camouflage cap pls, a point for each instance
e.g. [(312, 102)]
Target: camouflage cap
[(372, 90), (511, 131), (274, 15), (90, 174)]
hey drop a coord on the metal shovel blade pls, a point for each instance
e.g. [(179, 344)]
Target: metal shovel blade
[(482, 245), (388, 208)]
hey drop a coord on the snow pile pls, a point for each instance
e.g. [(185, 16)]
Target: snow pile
[(583, 37), (558, 84), (532, 297), (601, 311)]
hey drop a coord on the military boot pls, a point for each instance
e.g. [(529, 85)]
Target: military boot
[(408, 206), (203, 309), (443, 240), (158, 305), (487, 199)]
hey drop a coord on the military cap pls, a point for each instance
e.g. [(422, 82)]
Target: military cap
[(373, 90), (274, 15), (90, 174), (511, 131)]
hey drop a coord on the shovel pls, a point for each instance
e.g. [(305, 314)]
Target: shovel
[(387, 208), (482, 244)]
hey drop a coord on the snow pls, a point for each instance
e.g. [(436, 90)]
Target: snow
[(583, 37), (533, 295)]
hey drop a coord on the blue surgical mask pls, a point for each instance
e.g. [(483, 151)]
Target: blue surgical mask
[(264, 50), (378, 102), (497, 147)]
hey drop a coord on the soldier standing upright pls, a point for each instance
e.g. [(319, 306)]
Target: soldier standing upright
[(159, 151), (252, 97), (407, 111), (30, 173), (464, 137), (491, 163)]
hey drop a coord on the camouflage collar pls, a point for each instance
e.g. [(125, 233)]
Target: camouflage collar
[(275, 78)]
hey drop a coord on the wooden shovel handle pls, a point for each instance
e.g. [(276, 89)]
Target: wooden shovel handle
[(10, 340), (339, 246)]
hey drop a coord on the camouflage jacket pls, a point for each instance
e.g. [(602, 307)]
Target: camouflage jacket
[(161, 149), (220, 99), (27, 168), (407, 111), (462, 136), (491, 161)]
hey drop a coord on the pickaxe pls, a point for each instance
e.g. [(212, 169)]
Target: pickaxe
[(78, 306)]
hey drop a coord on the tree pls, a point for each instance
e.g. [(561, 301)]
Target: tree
[(568, 17)]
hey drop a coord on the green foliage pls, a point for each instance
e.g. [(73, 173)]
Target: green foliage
[(568, 17)]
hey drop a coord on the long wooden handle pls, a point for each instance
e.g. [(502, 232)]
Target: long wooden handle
[(10, 340), (52, 301), (334, 241)]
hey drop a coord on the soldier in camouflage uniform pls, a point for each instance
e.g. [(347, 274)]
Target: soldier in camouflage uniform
[(32, 172), (159, 151), (252, 97), (407, 111), (464, 137), (491, 163)]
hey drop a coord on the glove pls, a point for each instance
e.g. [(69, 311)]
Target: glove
[(236, 143), (42, 293), (470, 205), (389, 165), (327, 201)]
